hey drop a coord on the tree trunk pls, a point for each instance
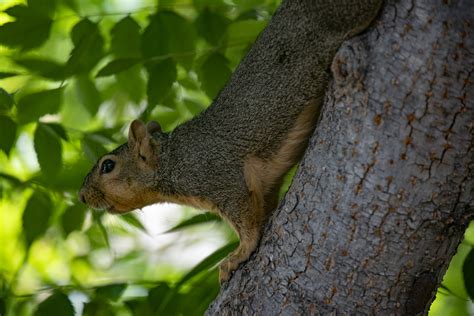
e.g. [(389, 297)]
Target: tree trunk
[(384, 193)]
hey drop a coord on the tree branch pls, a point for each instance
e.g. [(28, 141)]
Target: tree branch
[(385, 191)]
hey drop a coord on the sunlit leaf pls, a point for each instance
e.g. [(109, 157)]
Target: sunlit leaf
[(125, 41), (73, 218), (111, 292), (56, 304), (169, 35), (46, 68), (8, 134), (214, 73), (468, 272), (160, 81), (48, 149), (29, 30), (88, 47), (88, 94), (195, 220), (36, 216), (210, 261), (6, 101), (33, 106), (118, 65), (242, 32), (133, 220), (212, 26)]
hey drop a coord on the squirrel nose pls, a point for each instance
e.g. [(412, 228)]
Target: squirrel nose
[(82, 197)]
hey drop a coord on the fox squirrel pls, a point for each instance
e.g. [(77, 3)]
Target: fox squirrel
[(227, 160)]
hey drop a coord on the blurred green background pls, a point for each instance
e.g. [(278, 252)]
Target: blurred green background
[(73, 74)]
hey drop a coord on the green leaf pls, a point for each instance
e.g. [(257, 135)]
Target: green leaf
[(71, 4), (88, 47), (209, 262), (56, 304), (20, 11), (158, 295), (195, 220), (36, 216), (29, 30), (161, 79), (169, 34), (8, 134), (58, 130), (133, 220), (242, 32), (6, 101), (212, 26), (132, 83), (13, 180), (42, 7), (194, 107), (139, 307), (251, 14), (92, 147), (111, 292), (4, 75), (125, 41), (468, 272), (48, 149), (98, 308), (99, 219), (247, 4), (46, 68), (73, 218), (118, 65), (32, 106), (88, 94), (214, 73), (217, 5), (3, 306)]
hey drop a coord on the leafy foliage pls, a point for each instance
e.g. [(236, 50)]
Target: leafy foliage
[(73, 74)]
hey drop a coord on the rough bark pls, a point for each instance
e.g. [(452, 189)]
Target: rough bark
[(385, 190)]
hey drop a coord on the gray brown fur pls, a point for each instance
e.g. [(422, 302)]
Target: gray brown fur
[(232, 158)]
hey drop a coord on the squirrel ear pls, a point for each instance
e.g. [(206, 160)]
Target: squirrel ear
[(153, 127), (136, 133)]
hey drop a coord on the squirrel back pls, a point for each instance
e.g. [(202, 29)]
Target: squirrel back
[(231, 158)]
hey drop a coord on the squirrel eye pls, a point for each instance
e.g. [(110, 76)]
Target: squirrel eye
[(107, 166)]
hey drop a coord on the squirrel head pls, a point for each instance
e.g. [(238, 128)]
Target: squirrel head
[(123, 179)]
